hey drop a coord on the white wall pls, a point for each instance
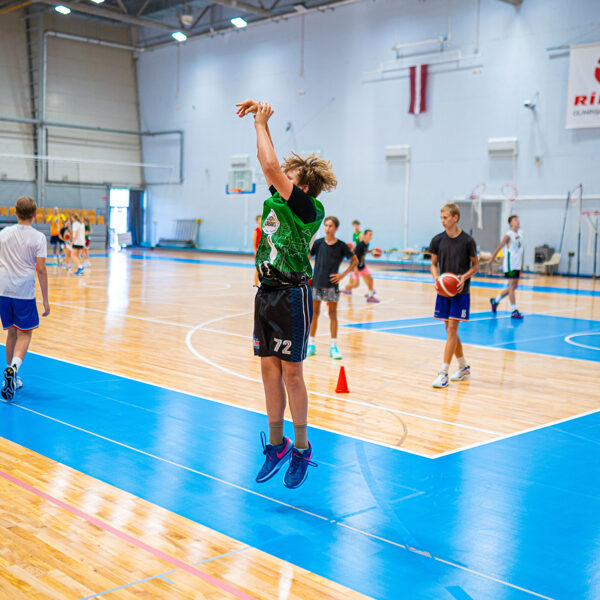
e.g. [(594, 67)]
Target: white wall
[(86, 85), (195, 86), (92, 85), (14, 99)]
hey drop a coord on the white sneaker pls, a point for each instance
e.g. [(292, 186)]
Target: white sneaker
[(461, 374), (19, 384), (441, 381)]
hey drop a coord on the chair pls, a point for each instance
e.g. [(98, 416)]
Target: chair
[(12, 211), (100, 220), (3, 211), (92, 220), (91, 212), (67, 212), (551, 266)]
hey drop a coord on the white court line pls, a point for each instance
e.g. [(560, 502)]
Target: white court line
[(423, 553), (569, 340), (230, 404), (188, 341), (115, 314), (516, 433), (316, 393)]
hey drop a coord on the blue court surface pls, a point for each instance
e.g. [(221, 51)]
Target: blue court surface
[(541, 334), (513, 519)]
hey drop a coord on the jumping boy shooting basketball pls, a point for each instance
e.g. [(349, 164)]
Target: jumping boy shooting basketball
[(283, 306), (453, 251)]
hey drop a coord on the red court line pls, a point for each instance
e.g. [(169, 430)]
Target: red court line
[(132, 540)]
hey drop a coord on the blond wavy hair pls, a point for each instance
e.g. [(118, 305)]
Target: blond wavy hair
[(312, 171)]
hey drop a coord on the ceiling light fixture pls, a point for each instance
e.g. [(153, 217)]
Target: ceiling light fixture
[(97, 1), (238, 22), (179, 36), (63, 10)]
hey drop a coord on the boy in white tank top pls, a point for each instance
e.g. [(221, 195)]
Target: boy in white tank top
[(512, 263)]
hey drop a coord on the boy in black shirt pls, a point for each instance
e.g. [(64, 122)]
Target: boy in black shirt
[(329, 252), (453, 251), (360, 251)]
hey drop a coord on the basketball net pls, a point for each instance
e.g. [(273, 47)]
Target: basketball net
[(593, 228), (509, 191), (475, 197)]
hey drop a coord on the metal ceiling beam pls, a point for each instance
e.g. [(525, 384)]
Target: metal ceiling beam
[(513, 2), (278, 17), (244, 6), (113, 15)]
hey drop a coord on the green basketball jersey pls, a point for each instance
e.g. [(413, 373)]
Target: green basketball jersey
[(282, 255), (356, 237)]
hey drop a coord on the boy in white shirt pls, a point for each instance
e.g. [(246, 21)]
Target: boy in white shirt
[(512, 264), (23, 250)]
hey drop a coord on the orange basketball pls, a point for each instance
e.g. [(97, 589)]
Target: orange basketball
[(67, 236), (447, 285), (377, 252), (351, 246)]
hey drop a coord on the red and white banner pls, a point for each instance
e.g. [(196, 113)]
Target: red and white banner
[(418, 89), (583, 101)]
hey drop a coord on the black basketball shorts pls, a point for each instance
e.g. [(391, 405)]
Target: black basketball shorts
[(282, 317)]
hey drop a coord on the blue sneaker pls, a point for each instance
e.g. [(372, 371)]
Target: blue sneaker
[(9, 385), (79, 271), (297, 472), (494, 305), (335, 353), (275, 455)]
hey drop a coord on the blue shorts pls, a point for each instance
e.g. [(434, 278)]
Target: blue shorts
[(456, 308), (19, 313)]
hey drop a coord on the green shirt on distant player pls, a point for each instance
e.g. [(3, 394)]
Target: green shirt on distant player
[(288, 228), (356, 237)]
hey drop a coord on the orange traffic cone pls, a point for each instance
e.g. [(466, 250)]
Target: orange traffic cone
[(342, 384)]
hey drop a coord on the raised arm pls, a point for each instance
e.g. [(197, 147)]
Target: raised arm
[(266, 153)]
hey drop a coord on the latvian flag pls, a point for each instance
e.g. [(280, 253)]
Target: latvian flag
[(418, 89)]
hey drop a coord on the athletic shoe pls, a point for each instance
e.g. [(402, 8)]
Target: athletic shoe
[(311, 350), (275, 455), (79, 271), (345, 291), (335, 353), (8, 387), (19, 384), (297, 472), (516, 315), (441, 381), (461, 374), (494, 305), (372, 298)]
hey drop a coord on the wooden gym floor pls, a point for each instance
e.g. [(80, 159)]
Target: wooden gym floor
[(80, 519)]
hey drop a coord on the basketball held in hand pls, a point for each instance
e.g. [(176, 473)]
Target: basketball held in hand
[(377, 252), (447, 285)]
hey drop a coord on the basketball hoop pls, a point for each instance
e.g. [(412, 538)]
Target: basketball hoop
[(475, 197), (576, 194), (509, 191)]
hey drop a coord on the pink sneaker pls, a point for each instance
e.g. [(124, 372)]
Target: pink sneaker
[(372, 298)]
